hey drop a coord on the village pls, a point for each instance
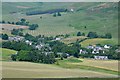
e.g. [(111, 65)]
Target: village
[(95, 49), (59, 40)]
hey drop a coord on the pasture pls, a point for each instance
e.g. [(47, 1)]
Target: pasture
[(36, 70), (6, 54), (98, 41), (101, 20)]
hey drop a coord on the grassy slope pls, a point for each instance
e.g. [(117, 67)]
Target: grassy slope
[(101, 21), (98, 41), (6, 53)]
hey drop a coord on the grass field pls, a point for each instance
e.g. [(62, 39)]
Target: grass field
[(98, 41), (6, 53), (34, 70), (71, 67)]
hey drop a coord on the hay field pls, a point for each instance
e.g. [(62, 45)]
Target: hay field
[(106, 64), (73, 39), (34, 70)]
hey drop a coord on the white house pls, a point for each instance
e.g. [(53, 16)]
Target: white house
[(28, 42), (58, 39), (83, 51), (80, 51), (106, 46), (71, 10), (101, 57)]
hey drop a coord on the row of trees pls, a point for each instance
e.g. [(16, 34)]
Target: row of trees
[(16, 46), (95, 35), (34, 56)]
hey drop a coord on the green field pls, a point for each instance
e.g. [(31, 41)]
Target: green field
[(98, 41), (71, 67), (6, 54)]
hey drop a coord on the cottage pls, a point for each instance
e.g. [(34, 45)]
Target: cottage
[(101, 57), (28, 42), (83, 51), (58, 39)]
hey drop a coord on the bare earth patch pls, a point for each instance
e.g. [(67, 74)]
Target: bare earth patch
[(24, 7), (11, 26)]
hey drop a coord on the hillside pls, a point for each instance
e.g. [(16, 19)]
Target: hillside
[(98, 17)]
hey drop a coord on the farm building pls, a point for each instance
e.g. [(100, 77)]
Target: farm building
[(101, 57)]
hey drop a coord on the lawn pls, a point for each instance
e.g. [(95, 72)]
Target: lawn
[(6, 54)]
